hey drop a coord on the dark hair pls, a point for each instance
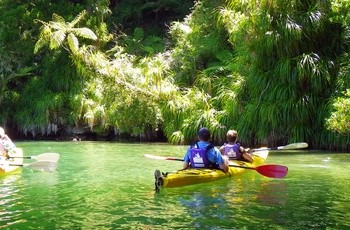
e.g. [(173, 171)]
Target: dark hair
[(204, 134)]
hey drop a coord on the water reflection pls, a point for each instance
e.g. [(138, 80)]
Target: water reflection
[(10, 185), (204, 206), (244, 201), (273, 192)]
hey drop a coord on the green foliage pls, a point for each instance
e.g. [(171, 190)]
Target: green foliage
[(56, 31), (282, 50), (152, 16), (139, 45), (196, 42), (24, 100), (273, 70), (46, 96), (339, 120)]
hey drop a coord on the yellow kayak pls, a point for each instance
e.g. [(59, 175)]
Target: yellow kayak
[(11, 164), (196, 176)]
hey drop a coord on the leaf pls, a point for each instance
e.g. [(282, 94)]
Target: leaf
[(58, 18), (78, 18), (85, 33), (73, 42), (138, 34), (39, 44), (57, 39)]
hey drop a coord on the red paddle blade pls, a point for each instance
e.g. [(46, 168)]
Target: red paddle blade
[(275, 171)]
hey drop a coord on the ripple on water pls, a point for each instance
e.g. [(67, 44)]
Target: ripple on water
[(110, 186), (10, 187)]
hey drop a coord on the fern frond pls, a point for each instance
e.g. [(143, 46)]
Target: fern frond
[(58, 18), (73, 42), (152, 40), (57, 25), (39, 44), (57, 39), (85, 33), (225, 56), (138, 34), (78, 18)]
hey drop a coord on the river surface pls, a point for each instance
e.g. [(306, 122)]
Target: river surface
[(104, 185)]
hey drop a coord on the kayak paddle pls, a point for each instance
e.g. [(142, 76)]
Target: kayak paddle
[(290, 146), (274, 171), (163, 158), (44, 166), (42, 157)]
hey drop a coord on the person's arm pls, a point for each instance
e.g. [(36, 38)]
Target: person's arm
[(187, 160), (247, 157), (222, 150), (224, 167), (246, 153), (185, 165), (221, 161)]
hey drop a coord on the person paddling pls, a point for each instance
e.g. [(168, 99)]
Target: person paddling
[(203, 154), (6, 145), (234, 150)]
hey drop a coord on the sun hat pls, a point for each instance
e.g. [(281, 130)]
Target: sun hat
[(204, 133)]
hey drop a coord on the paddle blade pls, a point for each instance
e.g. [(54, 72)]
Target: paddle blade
[(275, 171), (290, 146), (47, 157), (44, 166), (294, 146)]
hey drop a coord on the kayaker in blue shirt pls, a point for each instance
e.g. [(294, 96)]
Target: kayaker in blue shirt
[(234, 150), (203, 154)]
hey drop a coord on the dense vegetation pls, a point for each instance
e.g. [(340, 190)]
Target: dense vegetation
[(277, 71)]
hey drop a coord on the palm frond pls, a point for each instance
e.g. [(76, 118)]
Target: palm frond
[(78, 18), (57, 39), (85, 33), (58, 18), (73, 42)]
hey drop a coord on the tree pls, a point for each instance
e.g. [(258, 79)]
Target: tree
[(339, 121), (290, 66), (58, 33)]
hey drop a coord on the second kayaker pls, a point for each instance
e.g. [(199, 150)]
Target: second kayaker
[(234, 150)]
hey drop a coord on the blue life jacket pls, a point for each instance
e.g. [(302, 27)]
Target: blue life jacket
[(199, 157), (232, 151)]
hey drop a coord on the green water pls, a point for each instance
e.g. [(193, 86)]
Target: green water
[(110, 186)]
